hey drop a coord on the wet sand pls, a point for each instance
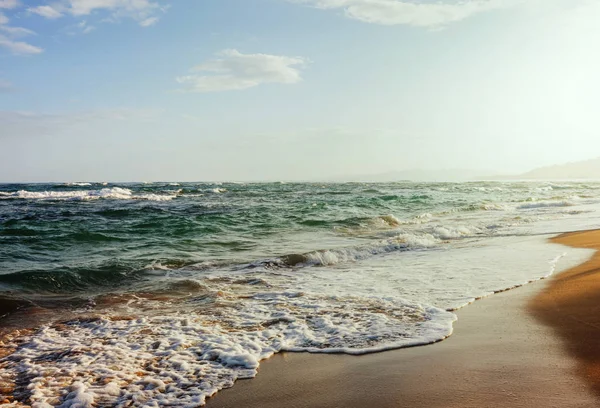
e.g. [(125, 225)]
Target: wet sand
[(513, 349)]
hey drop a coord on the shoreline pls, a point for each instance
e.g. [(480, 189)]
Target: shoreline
[(519, 360)]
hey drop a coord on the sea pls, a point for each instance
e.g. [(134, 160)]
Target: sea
[(162, 294)]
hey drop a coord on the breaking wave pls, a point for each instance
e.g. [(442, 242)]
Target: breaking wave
[(114, 193)]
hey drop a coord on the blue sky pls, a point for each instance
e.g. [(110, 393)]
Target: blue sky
[(293, 89)]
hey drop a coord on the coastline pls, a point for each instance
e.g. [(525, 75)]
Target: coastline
[(506, 350)]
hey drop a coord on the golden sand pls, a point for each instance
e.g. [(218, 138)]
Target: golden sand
[(570, 304)]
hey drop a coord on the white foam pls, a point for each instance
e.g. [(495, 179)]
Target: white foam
[(390, 220), (154, 197), (454, 232), (181, 359), (114, 193), (400, 242), (78, 184)]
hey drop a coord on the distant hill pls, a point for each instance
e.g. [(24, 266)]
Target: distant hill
[(588, 169), (582, 170)]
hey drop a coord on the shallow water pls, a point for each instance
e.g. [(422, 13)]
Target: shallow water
[(162, 294)]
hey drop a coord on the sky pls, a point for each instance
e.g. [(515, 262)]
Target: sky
[(190, 90)]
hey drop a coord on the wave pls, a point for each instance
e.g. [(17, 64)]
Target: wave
[(401, 242), (390, 220), (92, 279), (545, 204), (10, 304), (474, 208), (77, 184), (360, 224), (127, 275), (114, 193), (109, 275), (454, 232), (183, 358)]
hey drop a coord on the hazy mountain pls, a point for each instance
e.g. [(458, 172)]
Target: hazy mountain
[(588, 169)]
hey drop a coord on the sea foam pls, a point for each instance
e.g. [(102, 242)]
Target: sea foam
[(114, 193), (181, 359)]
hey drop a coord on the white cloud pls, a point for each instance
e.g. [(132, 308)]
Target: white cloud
[(46, 11), (143, 11), (397, 12), (18, 47), (130, 7), (149, 21), (9, 4), (82, 27), (8, 41), (235, 71), (16, 31)]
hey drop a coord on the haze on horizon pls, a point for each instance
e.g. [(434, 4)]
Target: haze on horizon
[(125, 90)]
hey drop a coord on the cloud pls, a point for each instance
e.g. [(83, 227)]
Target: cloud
[(81, 28), (19, 47), (46, 11), (9, 4), (143, 11), (149, 21), (16, 31), (412, 13), (86, 7), (8, 39), (236, 71)]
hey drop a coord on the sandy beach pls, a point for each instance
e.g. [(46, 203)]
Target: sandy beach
[(571, 306), (534, 346)]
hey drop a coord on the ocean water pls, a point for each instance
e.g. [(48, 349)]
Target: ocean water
[(161, 294)]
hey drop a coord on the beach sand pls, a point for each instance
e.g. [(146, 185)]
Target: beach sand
[(513, 349), (571, 306)]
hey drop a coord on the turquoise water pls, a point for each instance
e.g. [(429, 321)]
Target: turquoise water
[(205, 280)]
